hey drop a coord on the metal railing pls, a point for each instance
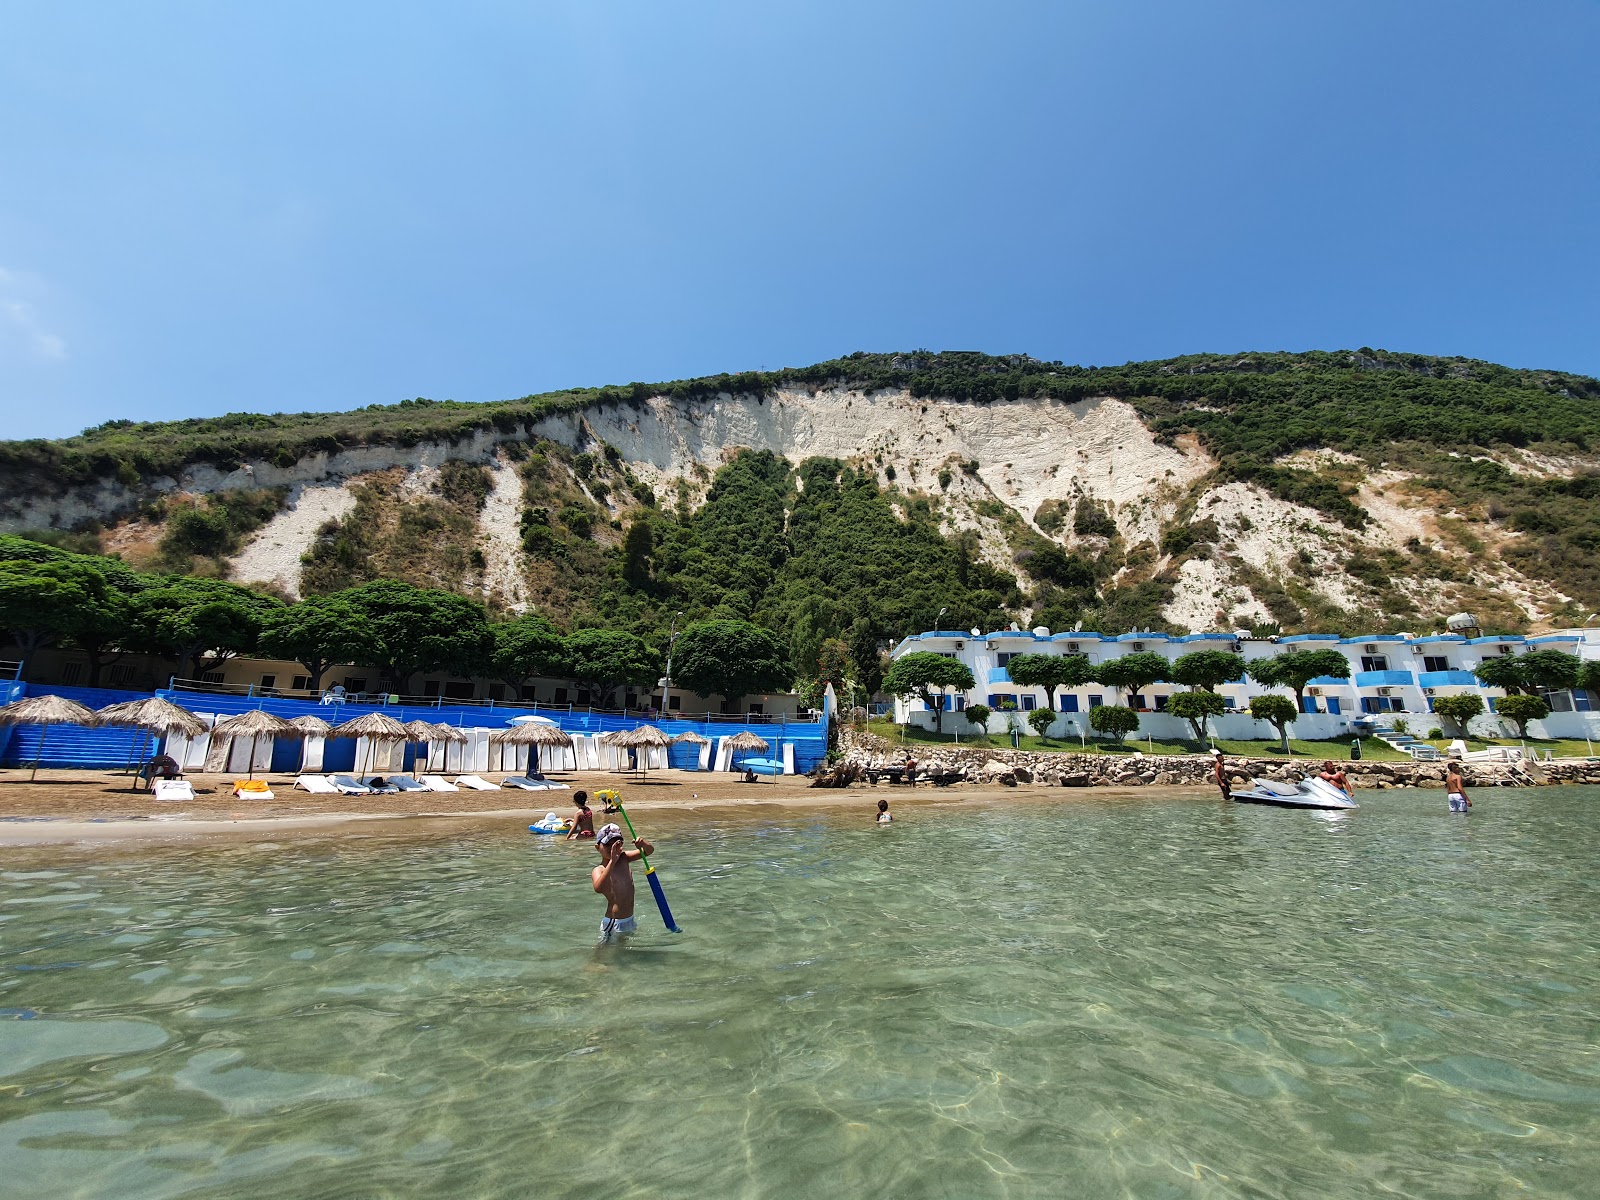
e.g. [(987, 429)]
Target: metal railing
[(10, 670), (394, 700)]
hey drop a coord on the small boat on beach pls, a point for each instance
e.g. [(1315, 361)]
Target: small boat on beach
[(1307, 793)]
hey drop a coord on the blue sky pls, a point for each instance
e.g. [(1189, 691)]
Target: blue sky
[(211, 207)]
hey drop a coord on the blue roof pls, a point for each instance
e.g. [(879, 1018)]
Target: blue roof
[(1499, 637), (1310, 637), (1207, 637), (1144, 637), (1026, 634), (1439, 637), (1077, 637), (1554, 637), (1372, 637)]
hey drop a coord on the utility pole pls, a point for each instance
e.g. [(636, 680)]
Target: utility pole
[(666, 680)]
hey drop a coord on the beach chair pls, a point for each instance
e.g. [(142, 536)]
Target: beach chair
[(438, 783), (476, 783), (252, 789), (532, 783), (172, 789), (348, 785), (388, 787), (402, 783), (317, 785)]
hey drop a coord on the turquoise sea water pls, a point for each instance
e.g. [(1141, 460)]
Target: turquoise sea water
[(1156, 998)]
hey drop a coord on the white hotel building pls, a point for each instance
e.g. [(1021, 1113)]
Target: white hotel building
[(1391, 675)]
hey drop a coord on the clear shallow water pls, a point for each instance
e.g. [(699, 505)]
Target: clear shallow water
[(1101, 998)]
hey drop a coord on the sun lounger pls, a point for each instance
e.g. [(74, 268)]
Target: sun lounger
[(349, 785), (252, 789), (386, 788), (316, 784), (475, 783), (532, 783), (401, 783), (438, 783), (173, 789)]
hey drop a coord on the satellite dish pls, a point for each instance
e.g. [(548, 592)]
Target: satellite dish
[(974, 632)]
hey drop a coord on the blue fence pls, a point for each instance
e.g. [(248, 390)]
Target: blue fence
[(70, 746)]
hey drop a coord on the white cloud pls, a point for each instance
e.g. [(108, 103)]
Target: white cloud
[(21, 332)]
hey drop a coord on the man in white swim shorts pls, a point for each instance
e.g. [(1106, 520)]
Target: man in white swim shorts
[(1456, 788), (613, 879)]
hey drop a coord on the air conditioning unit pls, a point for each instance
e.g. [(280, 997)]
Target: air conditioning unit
[(1384, 691), (1072, 647), (1138, 645), (1313, 691), (1370, 649), (961, 645), (1427, 691)]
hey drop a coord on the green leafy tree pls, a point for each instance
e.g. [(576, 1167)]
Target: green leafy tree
[(1589, 679), (605, 659), (1501, 672), (926, 675), (1133, 672), (1113, 719), (835, 664), (1051, 672), (529, 645), (43, 602), (1197, 708), (1277, 711), (731, 659), (977, 714), (1296, 669), (1207, 670), (202, 623), (1041, 719), (318, 633), (1519, 710), (863, 641), (1549, 670), (638, 551), (417, 629), (1459, 710)]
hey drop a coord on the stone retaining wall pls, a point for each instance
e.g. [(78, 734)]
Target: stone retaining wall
[(867, 752)]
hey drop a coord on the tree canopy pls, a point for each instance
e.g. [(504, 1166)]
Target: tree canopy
[(1277, 711), (318, 633), (1207, 670), (1197, 708), (1133, 671), (606, 659), (926, 675), (1052, 672), (1296, 669), (731, 659)]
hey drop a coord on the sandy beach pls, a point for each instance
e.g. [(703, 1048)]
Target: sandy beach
[(87, 806)]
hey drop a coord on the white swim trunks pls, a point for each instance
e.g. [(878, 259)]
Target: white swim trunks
[(1458, 802), (612, 928)]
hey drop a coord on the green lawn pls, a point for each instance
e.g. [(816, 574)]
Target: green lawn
[(1372, 750)]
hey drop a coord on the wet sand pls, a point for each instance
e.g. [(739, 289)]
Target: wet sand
[(93, 806)]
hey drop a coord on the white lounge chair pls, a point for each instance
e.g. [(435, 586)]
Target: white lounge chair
[(438, 783), (316, 784), (349, 785), (476, 783), (402, 783), (172, 789), (533, 783)]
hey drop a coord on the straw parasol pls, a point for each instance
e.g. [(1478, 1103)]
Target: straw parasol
[(155, 716), (375, 727), (420, 733), (309, 727), (531, 733), (690, 735), (640, 737), (46, 710), (256, 724), (745, 740)]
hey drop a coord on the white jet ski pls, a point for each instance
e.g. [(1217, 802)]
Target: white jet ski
[(1308, 793)]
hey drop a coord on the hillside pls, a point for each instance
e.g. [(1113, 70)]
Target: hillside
[(860, 496)]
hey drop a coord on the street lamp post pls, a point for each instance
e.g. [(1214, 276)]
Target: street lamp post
[(666, 680)]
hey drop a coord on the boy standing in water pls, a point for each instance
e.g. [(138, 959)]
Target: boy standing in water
[(1219, 774), (1456, 788), (583, 823), (614, 880)]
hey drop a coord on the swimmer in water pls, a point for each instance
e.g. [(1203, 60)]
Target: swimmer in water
[(884, 815)]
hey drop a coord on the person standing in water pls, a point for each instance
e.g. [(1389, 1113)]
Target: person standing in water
[(583, 822), (1455, 788), (613, 879), (884, 816), (1219, 774)]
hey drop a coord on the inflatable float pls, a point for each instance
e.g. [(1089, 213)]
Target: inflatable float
[(551, 824)]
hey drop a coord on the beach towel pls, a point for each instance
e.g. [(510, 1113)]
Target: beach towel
[(173, 789), (438, 783), (316, 784), (252, 789)]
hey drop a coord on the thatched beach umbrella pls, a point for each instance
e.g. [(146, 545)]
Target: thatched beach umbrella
[(45, 710), (309, 727), (689, 735), (256, 724), (533, 734), (745, 740), (640, 737), (445, 734), (375, 727), (155, 716), (419, 734)]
